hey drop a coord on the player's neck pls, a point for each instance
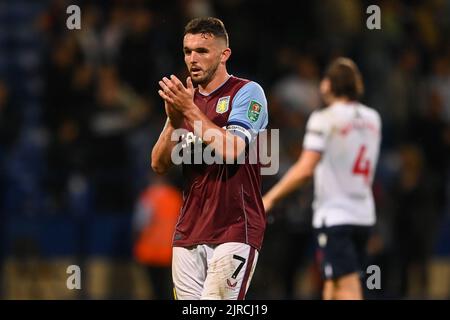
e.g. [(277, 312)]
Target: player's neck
[(216, 82), (335, 100)]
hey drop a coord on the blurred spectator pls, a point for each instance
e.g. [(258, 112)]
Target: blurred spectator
[(89, 36), (10, 126), (117, 109), (414, 223), (138, 51), (299, 92), (113, 34), (292, 99), (432, 131), (297, 241), (403, 94), (154, 222), (65, 117), (9, 119), (439, 83)]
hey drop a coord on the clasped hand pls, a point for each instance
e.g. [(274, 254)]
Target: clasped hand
[(176, 94)]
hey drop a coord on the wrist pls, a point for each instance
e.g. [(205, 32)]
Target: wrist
[(174, 124), (270, 198), (169, 124), (189, 110)]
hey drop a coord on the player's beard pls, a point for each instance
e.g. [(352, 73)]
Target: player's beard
[(207, 77)]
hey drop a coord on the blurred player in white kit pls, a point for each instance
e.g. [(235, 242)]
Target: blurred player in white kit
[(340, 150)]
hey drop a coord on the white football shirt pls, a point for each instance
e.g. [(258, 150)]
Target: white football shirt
[(348, 135)]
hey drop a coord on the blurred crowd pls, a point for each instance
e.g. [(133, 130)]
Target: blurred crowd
[(80, 113)]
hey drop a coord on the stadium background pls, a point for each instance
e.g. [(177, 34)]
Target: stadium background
[(79, 114)]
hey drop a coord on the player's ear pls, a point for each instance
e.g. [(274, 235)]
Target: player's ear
[(325, 86), (225, 55)]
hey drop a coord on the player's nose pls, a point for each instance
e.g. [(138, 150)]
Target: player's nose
[(193, 57)]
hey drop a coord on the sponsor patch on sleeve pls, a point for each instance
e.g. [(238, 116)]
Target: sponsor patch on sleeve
[(254, 110)]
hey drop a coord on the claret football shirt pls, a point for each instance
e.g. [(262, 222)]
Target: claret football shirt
[(222, 202)]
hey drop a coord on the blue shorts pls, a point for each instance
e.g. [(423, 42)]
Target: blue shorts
[(341, 249)]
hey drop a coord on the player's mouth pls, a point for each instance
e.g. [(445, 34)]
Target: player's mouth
[(195, 71)]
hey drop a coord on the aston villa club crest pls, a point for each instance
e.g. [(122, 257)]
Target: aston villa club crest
[(222, 104)]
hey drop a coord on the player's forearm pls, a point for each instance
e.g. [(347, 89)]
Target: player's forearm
[(161, 153), (227, 145), (295, 178)]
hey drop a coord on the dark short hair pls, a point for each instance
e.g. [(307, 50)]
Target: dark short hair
[(345, 79), (208, 25)]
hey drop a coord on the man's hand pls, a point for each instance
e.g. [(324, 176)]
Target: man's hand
[(268, 203), (175, 116), (176, 94)]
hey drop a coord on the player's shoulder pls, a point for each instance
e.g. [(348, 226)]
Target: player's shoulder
[(322, 113), (320, 118), (250, 86), (250, 91), (370, 112)]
